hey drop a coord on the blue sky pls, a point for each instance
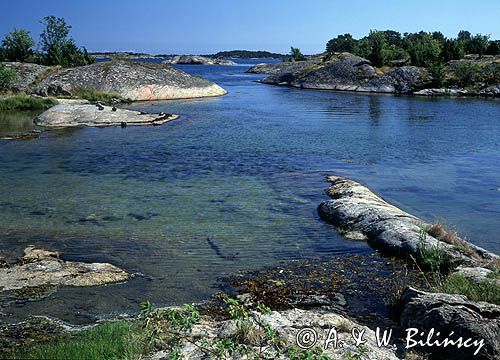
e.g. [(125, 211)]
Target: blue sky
[(183, 26)]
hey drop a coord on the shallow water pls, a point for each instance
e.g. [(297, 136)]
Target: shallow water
[(234, 184)]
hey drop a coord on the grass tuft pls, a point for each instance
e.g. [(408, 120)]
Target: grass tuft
[(487, 290), (97, 96), (110, 340), (25, 102)]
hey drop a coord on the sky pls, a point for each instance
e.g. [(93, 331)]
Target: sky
[(204, 27)]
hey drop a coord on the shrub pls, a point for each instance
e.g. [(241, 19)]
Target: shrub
[(7, 78), (467, 73)]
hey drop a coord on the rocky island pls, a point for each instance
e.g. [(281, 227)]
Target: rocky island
[(129, 80), (348, 72), (197, 60)]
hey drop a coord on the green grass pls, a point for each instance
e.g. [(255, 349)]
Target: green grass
[(95, 96), (109, 340), (487, 290), (25, 102), (433, 258)]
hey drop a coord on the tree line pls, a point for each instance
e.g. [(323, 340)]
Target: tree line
[(55, 46), (426, 49)]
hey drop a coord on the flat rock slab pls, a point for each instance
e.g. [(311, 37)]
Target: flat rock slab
[(452, 314), (68, 115), (356, 209), (38, 268), (135, 81)]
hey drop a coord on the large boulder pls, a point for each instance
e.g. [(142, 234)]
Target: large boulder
[(359, 212), (129, 80), (69, 115), (452, 317), (197, 60), (347, 72)]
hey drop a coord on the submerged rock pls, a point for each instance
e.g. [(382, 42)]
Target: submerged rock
[(452, 316), (67, 115), (40, 268), (354, 207), (135, 81), (197, 60)]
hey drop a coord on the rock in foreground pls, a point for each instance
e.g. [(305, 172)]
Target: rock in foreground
[(452, 316), (129, 80), (68, 115), (197, 60), (360, 213), (288, 325), (38, 268)]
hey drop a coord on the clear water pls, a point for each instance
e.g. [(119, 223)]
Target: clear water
[(246, 171)]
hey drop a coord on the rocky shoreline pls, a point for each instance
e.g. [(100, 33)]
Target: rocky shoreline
[(347, 72), (344, 293)]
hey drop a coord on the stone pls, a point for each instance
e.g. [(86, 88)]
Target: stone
[(354, 207), (39, 268), (69, 115), (136, 81), (454, 314)]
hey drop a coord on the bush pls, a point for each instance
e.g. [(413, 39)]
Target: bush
[(8, 78), (467, 73)]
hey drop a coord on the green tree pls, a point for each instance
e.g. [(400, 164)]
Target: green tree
[(296, 54), (493, 48), (477, 44), (58, 48), (424, 50), (452, 50), (393, 37), (17, 46), (342, 43), (377, 44)]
